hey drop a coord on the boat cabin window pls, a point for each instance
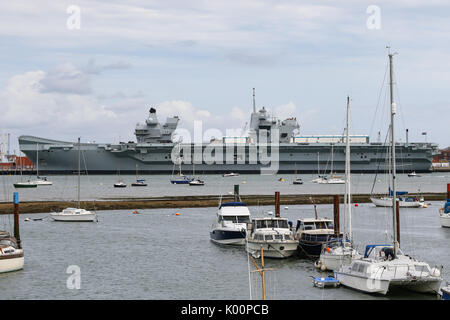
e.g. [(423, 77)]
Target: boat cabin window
[(236, 219), (420, 268), (288, 237), (268, 237), (272, 224), (359, 267), (278, 237), (7, 242)]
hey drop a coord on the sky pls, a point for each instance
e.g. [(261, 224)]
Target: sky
[(94, 68)]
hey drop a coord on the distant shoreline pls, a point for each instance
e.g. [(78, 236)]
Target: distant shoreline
[(190, 202)]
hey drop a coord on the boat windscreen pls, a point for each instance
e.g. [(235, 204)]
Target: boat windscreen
[(236, 219)]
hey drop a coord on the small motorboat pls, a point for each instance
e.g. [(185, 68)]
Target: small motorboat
[(325, 282), (297, 181), (413, 174), (139, 183), (197, 182), (231, 174), (445, 292), (182, 180)]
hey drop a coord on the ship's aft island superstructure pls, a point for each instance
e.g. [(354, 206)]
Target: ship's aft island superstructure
[(271, 143)]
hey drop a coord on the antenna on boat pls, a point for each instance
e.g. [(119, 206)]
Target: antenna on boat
[(254, 102)]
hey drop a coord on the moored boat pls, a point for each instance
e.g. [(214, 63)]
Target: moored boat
[(25, 184), (274, 235), (230, 227), (311, 234), (11, 255), (75, 214), (384, 267)]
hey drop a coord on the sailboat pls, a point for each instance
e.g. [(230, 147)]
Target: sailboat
[(297, 180), (40, 181), (319, 177), (11, 252), (75, 214), (386, 266), (195, 181), (180, 178), (139, 182), (120, 183), (24, 184), (341, 251), (334, 179)]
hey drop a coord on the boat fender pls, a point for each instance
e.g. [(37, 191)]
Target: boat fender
[(318, 264), (323, 267), (435, 272), (328, 249)]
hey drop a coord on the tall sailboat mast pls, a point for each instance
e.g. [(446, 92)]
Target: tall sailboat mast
[(79, 165), (37, 159), (393, 169), (348, 207)]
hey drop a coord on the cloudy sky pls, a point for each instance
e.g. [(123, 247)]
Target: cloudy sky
[(97, 76)]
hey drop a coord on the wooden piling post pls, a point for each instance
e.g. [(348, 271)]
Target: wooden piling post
[(236, 192), (277, 204), (16, 219), (336, 216), (448, 190)]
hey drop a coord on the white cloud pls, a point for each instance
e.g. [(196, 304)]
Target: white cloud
[(30, 110)]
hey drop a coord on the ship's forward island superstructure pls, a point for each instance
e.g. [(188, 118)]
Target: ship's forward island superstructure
[(271, 143)]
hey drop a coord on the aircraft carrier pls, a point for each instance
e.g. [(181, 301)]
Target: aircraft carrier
[(155, 151)]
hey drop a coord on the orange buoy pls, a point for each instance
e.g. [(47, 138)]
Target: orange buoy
[(328, 249), (177, 214)]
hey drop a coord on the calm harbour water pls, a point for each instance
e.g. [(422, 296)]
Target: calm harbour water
[(98, 187), (160, 255)]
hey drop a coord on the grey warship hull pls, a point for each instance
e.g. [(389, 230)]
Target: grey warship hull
[(59, 157)]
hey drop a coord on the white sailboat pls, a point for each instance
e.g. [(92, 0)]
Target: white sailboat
[(75, 214), (342, 252), (11, 252), (24, 184), (40, 181), (334, 179), (386, 266)]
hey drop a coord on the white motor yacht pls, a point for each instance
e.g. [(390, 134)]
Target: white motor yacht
[(231, 224), (274, 235)]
